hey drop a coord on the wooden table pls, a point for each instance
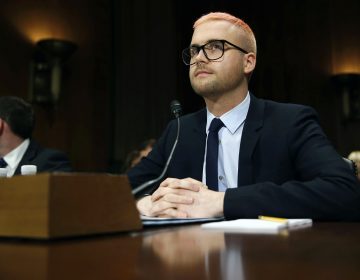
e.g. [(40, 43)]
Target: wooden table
[(324, 251)]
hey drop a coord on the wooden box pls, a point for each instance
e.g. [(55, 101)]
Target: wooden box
[(57, 205)]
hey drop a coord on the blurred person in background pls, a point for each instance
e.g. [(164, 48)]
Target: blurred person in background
[(135, 156), (17, 148), (354, 156)]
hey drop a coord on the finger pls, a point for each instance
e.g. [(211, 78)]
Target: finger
[(164, 208), (178, 199), (196, 183), (179, 195), (187, 184), (173, 213), (167, 181), (171, 184), (144, 205), (159, 207), (159, 193)]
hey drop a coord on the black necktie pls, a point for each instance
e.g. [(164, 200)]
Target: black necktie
[(3, 163), (212, 152)]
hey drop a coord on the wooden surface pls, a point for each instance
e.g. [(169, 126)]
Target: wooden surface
[(66, 205), (325, 251)]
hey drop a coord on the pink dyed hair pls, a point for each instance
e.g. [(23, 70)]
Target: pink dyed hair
[(235, 21)]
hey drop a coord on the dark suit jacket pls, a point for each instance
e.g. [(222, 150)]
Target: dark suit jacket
[(287, 167), (46, 160)]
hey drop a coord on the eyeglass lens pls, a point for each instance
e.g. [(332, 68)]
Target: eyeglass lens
[(212, 50)]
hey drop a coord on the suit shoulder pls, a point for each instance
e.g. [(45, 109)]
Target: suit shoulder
[(53, 152), (289, 109), (36, 147), (45, 159), (199, 116), (191, 116), (190, 119)]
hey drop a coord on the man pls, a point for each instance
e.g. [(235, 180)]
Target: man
[(136, 155), (16, 146), (272, 159), (354, 156)]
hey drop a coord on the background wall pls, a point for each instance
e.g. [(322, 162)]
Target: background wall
[(80, 124), (128, 67)]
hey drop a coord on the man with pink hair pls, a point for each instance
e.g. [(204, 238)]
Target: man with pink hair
[(241, 156)]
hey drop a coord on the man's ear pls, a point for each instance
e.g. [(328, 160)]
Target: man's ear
[(249, 62)]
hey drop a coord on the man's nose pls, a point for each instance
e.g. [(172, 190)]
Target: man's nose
[(200, 57)]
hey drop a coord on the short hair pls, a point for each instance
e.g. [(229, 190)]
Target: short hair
[(355, 156), (148, 143), (250, 38), (18, 114)]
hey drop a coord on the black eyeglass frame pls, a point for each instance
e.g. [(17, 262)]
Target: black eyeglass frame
[(185, 52)]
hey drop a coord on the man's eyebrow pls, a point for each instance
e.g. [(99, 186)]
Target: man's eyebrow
[(194, 45), (208, 41)]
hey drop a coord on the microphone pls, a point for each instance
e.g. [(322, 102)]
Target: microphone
[(175, 108)]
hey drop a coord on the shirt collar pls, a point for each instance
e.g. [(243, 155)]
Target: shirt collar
[(234, 118), (13, 158)]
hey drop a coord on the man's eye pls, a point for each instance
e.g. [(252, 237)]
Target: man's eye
[(193, 52), (214, 46)]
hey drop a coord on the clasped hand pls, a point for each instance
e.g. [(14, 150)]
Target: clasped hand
[(182, 198)]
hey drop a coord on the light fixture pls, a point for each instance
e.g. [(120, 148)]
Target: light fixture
[(46, 69), (348, 86)]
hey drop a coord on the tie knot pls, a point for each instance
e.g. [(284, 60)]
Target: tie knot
[(3, 163), (215, 125)]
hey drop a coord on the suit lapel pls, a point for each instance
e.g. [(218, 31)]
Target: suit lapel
[(249, 139), (28, 156)]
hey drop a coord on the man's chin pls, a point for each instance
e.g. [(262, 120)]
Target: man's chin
[(205, 92)]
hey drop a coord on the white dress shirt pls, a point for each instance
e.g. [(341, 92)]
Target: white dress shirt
[(14, 157), (229, 144)]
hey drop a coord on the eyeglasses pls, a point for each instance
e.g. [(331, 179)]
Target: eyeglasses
[(212, 50)]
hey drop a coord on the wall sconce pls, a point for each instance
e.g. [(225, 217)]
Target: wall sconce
[(348, 86), (46, 69)]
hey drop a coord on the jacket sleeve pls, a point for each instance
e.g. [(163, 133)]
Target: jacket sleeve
[(325, 188), (53, 161)]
